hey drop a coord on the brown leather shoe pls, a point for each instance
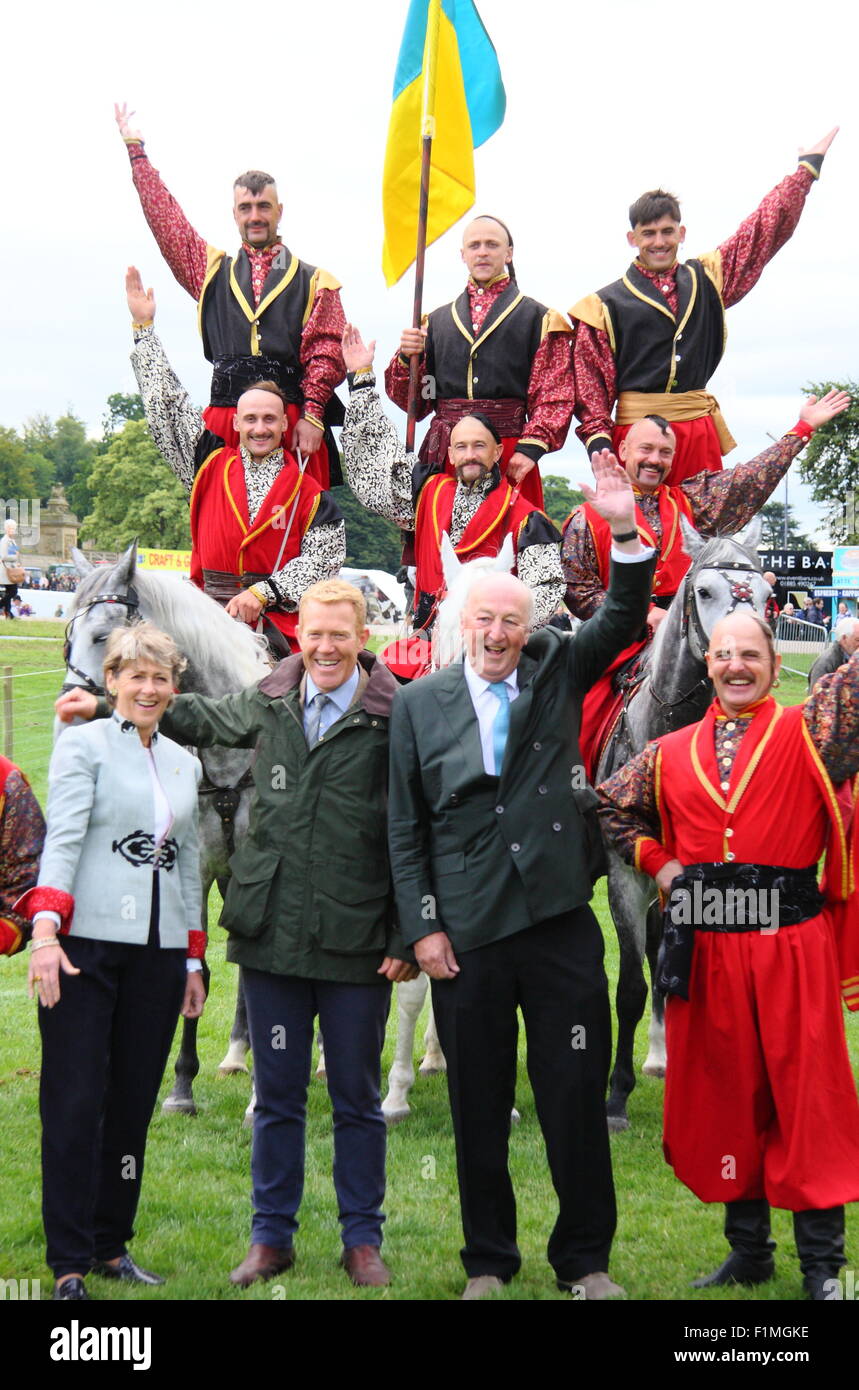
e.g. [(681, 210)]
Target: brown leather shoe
[(262, 1262), (365, 1266)]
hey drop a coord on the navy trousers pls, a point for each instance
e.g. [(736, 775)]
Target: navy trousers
[(281, 1010), (554, 973)]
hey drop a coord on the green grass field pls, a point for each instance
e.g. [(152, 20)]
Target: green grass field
[(194, 1216)]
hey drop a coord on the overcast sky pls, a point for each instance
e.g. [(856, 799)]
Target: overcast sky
[(603, 101)]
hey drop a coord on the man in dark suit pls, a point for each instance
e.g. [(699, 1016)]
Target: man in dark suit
[(494, 852)]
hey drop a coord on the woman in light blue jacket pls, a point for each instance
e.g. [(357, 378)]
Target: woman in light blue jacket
[(119, 884)]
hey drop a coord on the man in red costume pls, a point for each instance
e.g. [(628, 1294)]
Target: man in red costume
[(649, 343), (262, 314), (493, 350), (262, 531), (760, 1101), (477, 507), (713, 503)]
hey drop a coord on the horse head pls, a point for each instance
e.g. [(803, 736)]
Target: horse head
[(725, 574), (105, 599), (458, 580)]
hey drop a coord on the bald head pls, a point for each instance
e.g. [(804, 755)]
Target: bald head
[(486, 249), (741, 661), (647, 452), (770, 578), (496, 620)]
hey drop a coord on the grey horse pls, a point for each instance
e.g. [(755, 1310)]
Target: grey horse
[(674, 691), (223, 656)]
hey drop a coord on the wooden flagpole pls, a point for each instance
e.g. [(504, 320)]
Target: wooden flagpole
[(427, 128)]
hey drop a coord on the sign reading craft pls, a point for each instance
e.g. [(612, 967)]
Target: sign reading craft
[(176, 562), (845, 566)]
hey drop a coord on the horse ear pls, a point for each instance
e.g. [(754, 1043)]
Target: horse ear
[(750, 537), (127, 564), (450, 562), (506, 558), (693, 544), (84, 566)]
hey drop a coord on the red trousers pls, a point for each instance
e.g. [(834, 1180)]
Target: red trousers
[(698, 447), (760, 1099)]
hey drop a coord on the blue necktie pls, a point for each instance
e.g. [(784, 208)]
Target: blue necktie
[(314, 723), (501, 722)]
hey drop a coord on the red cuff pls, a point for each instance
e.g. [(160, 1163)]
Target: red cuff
[(44, 899), (650, 856), (11, 939), (803, 429), (197, 945)]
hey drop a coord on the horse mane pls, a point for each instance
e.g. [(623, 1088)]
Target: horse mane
[(211, 641)]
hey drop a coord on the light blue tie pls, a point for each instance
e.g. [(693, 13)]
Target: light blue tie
[(501, 722)]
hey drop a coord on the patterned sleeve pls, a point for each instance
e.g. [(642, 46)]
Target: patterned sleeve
[(832, 715), (378, 470), (551, 397), (727, 501), (629, 812), (323, 553), (321, 353), (182, 247), (761, 236), (22, 834), (595, 386), (174, 423), (397, 386), (584, 590)]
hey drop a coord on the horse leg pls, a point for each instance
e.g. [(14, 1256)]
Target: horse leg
[(248, 1119), (321, 1073), (235, 1058), (656, 1059), (628, 911), (433, 1060), (181, 1098), (401, 1077)]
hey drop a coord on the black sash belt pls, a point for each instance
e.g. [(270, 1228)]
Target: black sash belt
[(714, 898), (233, 375)]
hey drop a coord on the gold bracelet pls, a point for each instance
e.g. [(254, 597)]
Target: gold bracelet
[(258, 594), (147, 323), (312, 420)]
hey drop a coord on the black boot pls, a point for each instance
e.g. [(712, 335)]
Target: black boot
[(747, 1229), (820, 1246)]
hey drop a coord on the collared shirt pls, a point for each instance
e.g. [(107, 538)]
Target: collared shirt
[(486, 706), (339, 700)]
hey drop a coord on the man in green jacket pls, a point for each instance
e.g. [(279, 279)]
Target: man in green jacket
[(493, 853), (310, 915)]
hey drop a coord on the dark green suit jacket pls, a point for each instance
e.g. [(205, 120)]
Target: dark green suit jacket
[(478, 856)]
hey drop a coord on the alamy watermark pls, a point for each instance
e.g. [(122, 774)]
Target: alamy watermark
[(711, 906), (26, 511)]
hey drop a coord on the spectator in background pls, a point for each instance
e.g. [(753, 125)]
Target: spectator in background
[(9, 566), (846, 641), (771, 611)]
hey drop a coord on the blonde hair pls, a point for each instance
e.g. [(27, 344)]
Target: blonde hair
[(142, 642), (336, 591)]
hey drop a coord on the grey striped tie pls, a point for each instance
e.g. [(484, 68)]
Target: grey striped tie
[(314, 723)]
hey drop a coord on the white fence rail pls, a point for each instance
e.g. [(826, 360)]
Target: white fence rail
[(799, 643)]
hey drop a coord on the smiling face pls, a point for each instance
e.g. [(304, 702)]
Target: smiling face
[(143, 691), (486, 249), (259, 422), (473, 450), (495, 624), (257, 215), (647, 454), (740, 662), (657, 243), (330, 642)]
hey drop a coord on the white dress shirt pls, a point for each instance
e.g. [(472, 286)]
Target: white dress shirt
[(486, 706)]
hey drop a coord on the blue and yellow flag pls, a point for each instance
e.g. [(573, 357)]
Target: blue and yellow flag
[(447, 82)]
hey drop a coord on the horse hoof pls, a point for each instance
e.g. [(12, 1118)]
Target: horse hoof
[(653, 1069), (233, 1069), (617, 1123), (431, 1069), (515, 1117), (394, 1117), (179, 1105), (321, 1074)]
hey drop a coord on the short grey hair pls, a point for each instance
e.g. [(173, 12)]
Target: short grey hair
[(142, 642), (844, 627)]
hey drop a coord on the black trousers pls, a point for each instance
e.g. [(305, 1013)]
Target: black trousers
[(104, 1049), (554, 973)]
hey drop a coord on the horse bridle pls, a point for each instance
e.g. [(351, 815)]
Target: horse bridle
[(130, 602), (741, 592)]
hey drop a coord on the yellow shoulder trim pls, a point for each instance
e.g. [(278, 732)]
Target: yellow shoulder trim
[(213, 265), (324, 280), (554, 322), (591, 311), (712, 263)]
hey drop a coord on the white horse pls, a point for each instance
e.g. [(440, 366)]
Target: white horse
[(447, 647)]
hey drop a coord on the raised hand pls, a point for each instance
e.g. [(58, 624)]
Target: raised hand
[(822, 145), (122, 116), (141, 302), (613, 498), (357, 354), (816, 412)]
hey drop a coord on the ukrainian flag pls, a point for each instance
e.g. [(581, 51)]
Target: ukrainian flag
[(447, 83)]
